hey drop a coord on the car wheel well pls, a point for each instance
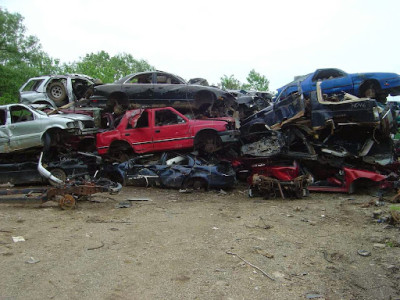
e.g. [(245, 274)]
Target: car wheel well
[(371, 89), (120, 150), (207, 140), (363, 184), (51, 137)]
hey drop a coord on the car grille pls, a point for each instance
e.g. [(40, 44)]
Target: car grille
[(88, 124)]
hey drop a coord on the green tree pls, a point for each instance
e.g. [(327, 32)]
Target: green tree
[(256, 81), (108, 68), (21, 56), (230, 83)]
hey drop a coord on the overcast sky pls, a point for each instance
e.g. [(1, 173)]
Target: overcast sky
[(279, 39)]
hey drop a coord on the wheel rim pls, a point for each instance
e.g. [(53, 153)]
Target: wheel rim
[(56, 92), (60, 174), (67, 202)]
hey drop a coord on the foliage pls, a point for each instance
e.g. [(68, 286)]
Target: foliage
[(21, 56), (255, 81), (230, 83), (108, 68)]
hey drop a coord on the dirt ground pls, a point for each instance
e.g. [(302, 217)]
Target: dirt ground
[(203, 245)]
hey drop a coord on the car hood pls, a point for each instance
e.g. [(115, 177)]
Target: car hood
[(74, 117)]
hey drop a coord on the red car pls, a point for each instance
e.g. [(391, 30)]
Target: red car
[(163, 129)]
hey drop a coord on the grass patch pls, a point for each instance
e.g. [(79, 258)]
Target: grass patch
[(395, 207)]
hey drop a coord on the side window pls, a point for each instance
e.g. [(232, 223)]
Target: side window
[(32, 85), (143, 121), (141, 79), (167, 117), (20, 114), (3, 117), (167, 79)]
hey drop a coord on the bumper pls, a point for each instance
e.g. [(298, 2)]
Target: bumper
[(87, 131)]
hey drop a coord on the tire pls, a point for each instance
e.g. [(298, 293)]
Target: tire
[(56, 92), (58, 173)]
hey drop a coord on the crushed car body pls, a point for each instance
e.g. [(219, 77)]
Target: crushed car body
[(57, 90), (344, 180), (22, 127), (63, 168), (250, 102), (173, 170), (336, 82), (356, 128), (157, 89)]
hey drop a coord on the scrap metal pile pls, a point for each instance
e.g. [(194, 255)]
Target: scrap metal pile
[(282, 148)]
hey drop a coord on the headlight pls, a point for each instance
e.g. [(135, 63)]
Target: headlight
[(71, 125)]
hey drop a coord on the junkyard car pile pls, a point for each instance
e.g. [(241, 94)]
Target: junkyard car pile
[(157, 130)]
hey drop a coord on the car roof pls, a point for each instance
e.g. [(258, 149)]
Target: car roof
[(125, 78), (64, 76)]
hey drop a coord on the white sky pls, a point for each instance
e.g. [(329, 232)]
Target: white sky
[(279, 39)]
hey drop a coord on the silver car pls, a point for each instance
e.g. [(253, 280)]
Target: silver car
[(57, 90), (23, 127)]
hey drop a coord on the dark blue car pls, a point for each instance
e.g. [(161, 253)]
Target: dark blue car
[(173, 170), (334, 81)]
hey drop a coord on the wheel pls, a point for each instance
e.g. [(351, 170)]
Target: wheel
[(58, 173), (57, 93), (67, 202)]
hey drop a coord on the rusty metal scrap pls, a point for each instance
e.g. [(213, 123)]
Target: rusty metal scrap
[(270, 186), (65, 195)]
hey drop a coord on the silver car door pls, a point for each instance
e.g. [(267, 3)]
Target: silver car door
[(25, 130)]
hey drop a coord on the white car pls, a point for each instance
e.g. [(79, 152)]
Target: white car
[(22, 127), (57, 90)]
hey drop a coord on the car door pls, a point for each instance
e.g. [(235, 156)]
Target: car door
[(25, 131), (171, 130), (169, 90), (139, 89), (4, 132), (139, 131)]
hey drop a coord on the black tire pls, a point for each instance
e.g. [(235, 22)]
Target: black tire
[(56, 92), (58, 173)]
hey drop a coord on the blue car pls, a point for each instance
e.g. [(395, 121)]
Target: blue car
[(335, 82)]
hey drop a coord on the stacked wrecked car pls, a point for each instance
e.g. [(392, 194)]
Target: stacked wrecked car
[(155, 129)]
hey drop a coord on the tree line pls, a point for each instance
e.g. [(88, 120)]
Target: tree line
[(22, 57)]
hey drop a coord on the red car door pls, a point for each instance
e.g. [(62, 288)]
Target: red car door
[(171, 130), (139, 132)]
